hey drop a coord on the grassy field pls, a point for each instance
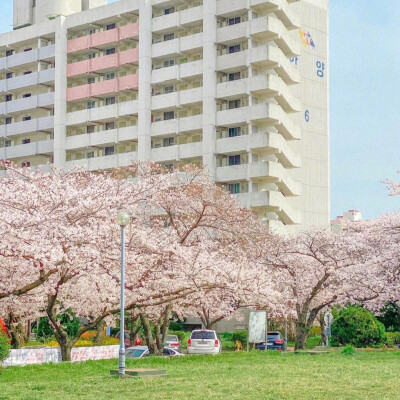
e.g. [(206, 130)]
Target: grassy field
[(271, 375)]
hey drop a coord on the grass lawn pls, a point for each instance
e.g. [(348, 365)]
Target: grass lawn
[(258, 375)]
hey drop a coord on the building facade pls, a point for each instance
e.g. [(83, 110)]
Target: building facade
[(238, 85)]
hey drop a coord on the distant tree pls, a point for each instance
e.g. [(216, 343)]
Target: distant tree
[(390, 316)]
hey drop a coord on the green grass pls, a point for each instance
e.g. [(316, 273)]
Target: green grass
[(311, 342), (258, 375)]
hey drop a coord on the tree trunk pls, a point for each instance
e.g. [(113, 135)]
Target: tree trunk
[(16, 330), (149, 335), (99, 332), (301, 335), (66, 351), (322, 325)]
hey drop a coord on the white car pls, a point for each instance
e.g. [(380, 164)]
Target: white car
[(204, 342)]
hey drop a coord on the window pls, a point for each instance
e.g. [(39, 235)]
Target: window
[(27, 72), (234, 188), (234, 48), (91, 55), (169, 10), (91, 80), (110, 51), (234, 76), (169, 63), (110, 100), (9, 53), (236, 131), (9, 75), (234, 160), (109, 150), (233, 104), (7, 143), (26, 141), (233, 21), (90, 154), (26, 118), (91, 104), (28, 49), (26, 164), (168, 141), (8, 120), (169, 115), (168, 89), (110, 75), (110, 26), (25, 95), (8, 97), (90, 129), (110, 125), (169, 36), (91, 31)]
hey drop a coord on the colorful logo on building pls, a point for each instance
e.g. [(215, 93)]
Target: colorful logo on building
[(306, 38)]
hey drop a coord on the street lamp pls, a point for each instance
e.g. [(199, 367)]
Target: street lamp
[(123, 220)]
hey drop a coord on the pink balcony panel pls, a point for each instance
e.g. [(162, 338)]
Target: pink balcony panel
[(128, 82), (104, 37), (97, 64), (78, 92), (104, 87)]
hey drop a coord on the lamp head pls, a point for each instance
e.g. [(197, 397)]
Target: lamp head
[(123, 218)]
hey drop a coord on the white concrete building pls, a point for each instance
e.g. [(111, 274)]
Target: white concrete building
[(350, 215), (239, 85)]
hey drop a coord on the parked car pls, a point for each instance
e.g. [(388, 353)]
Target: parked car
[(127, 338), (173, 342), (143, 351), (204, 342), (274, 342)]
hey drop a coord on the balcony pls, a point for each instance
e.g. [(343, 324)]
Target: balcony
[(116, 85), (178, 45), (265, 171), (267, 56), (226, 8), (178, 72), (174, 126), (24, 127), (45, 77), (177, 99), (105, 162), (118, 135), (103, 113), (103, 38), (177, 152), (186, 17), (272, 143), (272, 114), (111, 61), (269, 85), (45, 100), (269, 28), (281, 9), (27, 57), (25, 150)]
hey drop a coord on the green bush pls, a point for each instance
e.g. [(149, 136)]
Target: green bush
[(180, 334), (348, 351), (390, 316), (4, 346), (315, 331), (241, 336), (392, 338), (358, 327)]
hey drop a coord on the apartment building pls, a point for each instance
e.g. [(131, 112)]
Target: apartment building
[(238, 85)]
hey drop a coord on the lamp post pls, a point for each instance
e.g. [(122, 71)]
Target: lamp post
[(123, 220)]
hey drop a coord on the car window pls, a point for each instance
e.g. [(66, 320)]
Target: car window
[(203, 335), (172, 338), (274, 336), (166, 352), (135, 353)]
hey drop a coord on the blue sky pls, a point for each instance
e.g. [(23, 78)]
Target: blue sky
[(365, 102)]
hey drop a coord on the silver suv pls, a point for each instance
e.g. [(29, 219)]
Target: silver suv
[(204, 342)]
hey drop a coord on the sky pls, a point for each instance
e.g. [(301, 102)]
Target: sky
[(364, 102)]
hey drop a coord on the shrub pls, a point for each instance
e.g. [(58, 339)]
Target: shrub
[(392, 338), (358, 327), (241, 336), (180, 334), (315, 331), (348, 351), (4, 346), (390, 316), (88, 335)]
